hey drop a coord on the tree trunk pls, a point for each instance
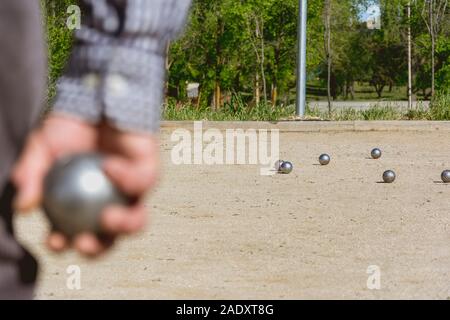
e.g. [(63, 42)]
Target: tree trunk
[(349, 90), (274, 95), (333, 87), (260, 36), (433, 65), (409, 89), (257, 93), (277, 57), (218, 66), (328, 50), (433, 45), (217, 96), (352, 90), (434, 15), (166, 83), (379, 89)]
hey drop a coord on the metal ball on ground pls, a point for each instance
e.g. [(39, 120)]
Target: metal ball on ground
[(376, 153), (445, 176), (76, 191), (389, 176), (324, 159), (286, 167), (277, 164)]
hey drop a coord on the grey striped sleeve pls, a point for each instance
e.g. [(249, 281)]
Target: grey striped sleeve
[(117, 68)]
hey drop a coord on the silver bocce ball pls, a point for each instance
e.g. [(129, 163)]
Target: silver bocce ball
[(376, 153), (389, 176), (324, 159), (286, 167), (76, 191), (445, 176), (278, 164)]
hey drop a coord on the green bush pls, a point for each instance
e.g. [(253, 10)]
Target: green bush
[(59, 39), (235, 110), (440, 106)]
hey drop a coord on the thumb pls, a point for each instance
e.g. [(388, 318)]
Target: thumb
[(132, 177), (29, 173)]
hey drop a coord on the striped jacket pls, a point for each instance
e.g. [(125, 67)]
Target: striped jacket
[(117, 67)]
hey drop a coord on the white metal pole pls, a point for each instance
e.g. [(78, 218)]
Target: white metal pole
[(301, 57), (409, 58)]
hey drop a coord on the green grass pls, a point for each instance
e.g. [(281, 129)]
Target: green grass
[(363, 92), (348, 114), (236, 110), (371, 114), (440, 107)]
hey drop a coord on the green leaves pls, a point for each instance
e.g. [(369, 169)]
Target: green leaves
[(59, 39), (221, 48)]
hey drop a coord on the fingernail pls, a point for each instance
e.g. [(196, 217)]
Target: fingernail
[(112, 221)]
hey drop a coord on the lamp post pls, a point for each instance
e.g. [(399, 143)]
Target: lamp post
[(409, 58), (301, 59)]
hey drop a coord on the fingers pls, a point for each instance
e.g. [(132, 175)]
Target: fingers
[(57, 242), (122, 220), (133, 162), (29, 173), (114, 221), (89, 245), (134, 177), (57, 137)]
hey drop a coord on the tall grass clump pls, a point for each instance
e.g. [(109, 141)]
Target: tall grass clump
[(440, 106), (233, 110)]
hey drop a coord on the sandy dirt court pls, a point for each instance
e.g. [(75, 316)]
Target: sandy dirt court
[(226, 232)]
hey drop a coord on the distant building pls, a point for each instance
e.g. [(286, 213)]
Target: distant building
[(374, 23), (192, 90), (373, 17)]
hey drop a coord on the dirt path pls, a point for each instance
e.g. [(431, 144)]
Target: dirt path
[(226, 232)]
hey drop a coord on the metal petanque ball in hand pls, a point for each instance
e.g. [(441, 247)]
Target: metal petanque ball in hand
[(76, 191), (445, 176), (376, 153), (389, 176), (286, 167), (324, 159)]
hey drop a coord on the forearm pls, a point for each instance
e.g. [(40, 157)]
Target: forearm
[(117, 68)]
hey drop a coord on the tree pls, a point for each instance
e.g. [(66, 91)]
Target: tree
[(328, 51), (255, 22), (433, 14), (59, 39), (280, 34), (248, 48)]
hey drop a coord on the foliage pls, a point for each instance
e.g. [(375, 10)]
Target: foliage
[(247, 49), (236, 110), (440, 106), (59, 39)]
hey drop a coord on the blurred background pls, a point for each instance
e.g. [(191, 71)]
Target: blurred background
[(237, 59)]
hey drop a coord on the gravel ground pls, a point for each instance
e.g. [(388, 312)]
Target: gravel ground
[(225, 232)]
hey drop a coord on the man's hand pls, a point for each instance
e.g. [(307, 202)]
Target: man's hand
[(131, 161)]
